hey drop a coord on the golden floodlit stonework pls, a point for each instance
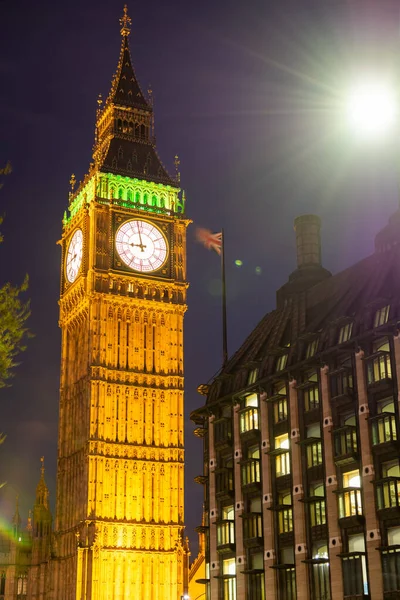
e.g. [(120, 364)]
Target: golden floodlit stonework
[(119, 509)]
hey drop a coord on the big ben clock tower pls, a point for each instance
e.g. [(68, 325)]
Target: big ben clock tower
[(119, 512)]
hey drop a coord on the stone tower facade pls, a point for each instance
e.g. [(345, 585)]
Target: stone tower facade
[(120, 505)]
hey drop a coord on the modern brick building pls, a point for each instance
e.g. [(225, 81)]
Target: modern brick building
[(300, 430)]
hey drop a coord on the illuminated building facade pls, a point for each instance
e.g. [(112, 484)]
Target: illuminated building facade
[(300, 432), (119, 507)]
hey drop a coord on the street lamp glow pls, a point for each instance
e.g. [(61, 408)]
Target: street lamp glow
[(372, 108)]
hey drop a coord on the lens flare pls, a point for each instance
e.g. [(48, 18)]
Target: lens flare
[(371, 108)]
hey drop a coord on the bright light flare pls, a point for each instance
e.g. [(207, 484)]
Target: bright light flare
[(372, 109)]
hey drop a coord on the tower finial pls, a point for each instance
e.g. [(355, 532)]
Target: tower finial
[(42, 467), (125, 23)]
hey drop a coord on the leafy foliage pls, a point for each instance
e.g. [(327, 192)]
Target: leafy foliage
[(13, 333), (13, 315)]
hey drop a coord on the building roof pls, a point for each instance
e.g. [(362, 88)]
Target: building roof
[(316, 312), (125, 88), (135, 159)]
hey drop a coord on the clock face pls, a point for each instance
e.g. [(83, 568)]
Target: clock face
[(141, 246), (74, 255)]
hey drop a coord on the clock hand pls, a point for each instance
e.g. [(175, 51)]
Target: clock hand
[(141, 243)]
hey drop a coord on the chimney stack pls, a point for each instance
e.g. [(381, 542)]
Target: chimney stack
[(308, 241), (309, 270)]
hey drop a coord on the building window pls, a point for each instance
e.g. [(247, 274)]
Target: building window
[(355, 581), (249, 415), (311, 348), (378, 365), (252, 378), (281, 362), (252, 525), (314, 454), (287, 575), (285, 513), (388, 488), (381, 316), (349, 498), (391, 561), (250, 468), (317, 508), (311, 398), (384, 424), (228, 587), (280, 410), (341, 380), (255, 586), (314, 445), (2, 584), (226, 527), (320, 572), (22, 583), (282, 459), (345, 333)]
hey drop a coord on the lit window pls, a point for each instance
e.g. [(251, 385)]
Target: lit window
[(282, 461), (345, 333), (282, 441), (317, 506), (311, 348), (228, 513), (320, 571), (249, 415), (281, 362), (379, 365), (350, 503), (229, 566), (381, 316), (252, 378), (280, 410), (352, 479), (229, 581), (251, 400)]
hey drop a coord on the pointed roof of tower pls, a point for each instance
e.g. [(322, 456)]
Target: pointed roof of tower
[(125, 88), (42, 491)]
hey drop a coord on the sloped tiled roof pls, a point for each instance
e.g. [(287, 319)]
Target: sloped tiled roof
[(135, 159), (370, 282)]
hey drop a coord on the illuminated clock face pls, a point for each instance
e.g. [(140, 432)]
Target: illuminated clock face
[(141, 246), (74, 255)]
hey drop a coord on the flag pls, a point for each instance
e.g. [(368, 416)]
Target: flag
[(215, 241), (212, 241)]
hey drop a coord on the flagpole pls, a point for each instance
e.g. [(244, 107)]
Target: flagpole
[(224, 327)]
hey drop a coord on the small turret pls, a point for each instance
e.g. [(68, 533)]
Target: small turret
[(41, 514), (16, 520)]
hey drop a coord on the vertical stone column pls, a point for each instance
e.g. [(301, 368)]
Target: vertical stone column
[(369, 509), (214, 558), (335, 541), (268, 517), (239, 507), (299, 517)]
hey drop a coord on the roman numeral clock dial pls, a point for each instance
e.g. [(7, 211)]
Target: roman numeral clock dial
[(74, 256), (141, 246)]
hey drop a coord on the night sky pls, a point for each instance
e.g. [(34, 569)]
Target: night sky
[(248, 94)]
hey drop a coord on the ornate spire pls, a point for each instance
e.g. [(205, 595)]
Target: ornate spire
[(125, 23), (124, 136), (16, 520), (42, 492), (125, 89)]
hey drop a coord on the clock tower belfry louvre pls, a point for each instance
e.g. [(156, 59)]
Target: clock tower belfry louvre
[(119, 509)]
